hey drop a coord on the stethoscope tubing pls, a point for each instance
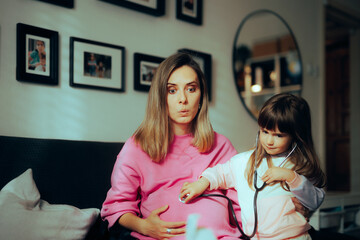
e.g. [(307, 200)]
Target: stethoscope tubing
[(257, 190), (243, 235)]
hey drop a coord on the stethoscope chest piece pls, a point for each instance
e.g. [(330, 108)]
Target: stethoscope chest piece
[(182, 199)]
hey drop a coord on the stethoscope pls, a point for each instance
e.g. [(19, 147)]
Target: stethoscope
[(257, 190)]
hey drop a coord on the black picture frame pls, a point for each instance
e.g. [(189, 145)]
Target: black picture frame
[(151, 7), (62, 3), (144, 70), (37, 51), (190, 11), (97, 65), (205, 62)]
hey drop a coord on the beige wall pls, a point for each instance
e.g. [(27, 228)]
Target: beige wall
[(64, 112)]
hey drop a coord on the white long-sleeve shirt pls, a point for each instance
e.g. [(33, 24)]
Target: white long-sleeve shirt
[(277, 218)]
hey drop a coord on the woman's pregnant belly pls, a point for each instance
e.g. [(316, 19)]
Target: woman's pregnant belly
[(213, 211)]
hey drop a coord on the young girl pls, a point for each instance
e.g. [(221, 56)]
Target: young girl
[(285, 161)]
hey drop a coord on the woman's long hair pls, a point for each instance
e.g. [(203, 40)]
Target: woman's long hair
[(291, 115), (155, 133)]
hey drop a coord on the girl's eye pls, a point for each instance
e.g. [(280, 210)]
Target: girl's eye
[(264, 131)]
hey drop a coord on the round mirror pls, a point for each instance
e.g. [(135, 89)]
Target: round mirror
[(266, 60)]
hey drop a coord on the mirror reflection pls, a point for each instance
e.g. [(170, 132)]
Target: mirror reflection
[(266, 60)]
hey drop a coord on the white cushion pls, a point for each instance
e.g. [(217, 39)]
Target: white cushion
[(25, 216)]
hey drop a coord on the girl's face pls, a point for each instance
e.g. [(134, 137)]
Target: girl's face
[(274, 142), (183, 99)]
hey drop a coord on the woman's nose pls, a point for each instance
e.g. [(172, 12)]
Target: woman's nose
[(182, 97)]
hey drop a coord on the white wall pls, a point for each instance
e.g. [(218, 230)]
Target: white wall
[(68, 113), (63, 112)]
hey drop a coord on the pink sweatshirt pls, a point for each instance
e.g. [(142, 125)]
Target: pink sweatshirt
[(136, 179)]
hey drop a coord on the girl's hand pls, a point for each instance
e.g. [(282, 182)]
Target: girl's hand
[(190, 191), (156, 228), (278, 174)]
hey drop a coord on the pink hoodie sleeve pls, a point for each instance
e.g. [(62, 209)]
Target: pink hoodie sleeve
[(123, 195)]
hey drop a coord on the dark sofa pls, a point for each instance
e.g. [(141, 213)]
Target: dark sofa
[(69, 172), (76, 173)]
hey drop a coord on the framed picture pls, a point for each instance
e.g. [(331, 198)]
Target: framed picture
[(205, 62), (152, 7), (62, 3), (189, 11), (144, 70), (36, 54), (96, 65)]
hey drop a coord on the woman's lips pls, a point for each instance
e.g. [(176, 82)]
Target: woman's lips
[(183, 112)]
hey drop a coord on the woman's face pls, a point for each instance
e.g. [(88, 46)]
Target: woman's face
[(40, 46), (183, 99), (274, 142)]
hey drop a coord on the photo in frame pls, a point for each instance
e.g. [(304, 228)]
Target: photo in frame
[(36, 54), (190, 11), (205, 62), (96, 65), (151, 7), (62, 3), (144, 70)]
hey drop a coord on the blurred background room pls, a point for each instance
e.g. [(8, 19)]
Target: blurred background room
[(255, 49)]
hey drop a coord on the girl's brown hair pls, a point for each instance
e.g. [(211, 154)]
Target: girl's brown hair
[(291, 115), (154, 134)]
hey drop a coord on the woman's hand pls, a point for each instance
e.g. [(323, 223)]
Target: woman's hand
[(153, 226), (190, 191), (158, 229), (301, 208), (278, 174)]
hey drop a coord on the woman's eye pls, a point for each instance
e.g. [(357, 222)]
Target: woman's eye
[(192, 89), (172, 91)]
